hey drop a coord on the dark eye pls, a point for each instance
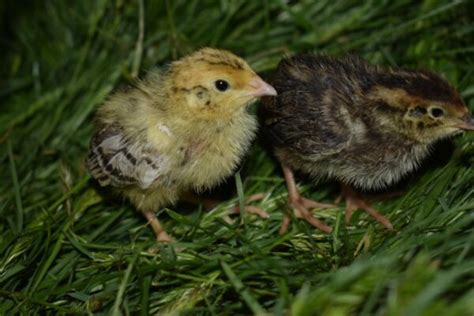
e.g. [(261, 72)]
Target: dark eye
[(221, 85), (436, 112)]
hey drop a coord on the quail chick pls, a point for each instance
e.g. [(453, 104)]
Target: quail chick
[(363, 125), (184, 128)]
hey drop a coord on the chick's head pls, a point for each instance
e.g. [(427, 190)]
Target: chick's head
[(423, 106), (215, 83)]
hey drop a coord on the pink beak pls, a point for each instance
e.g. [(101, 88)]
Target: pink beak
[(467, 123), (259, 88)]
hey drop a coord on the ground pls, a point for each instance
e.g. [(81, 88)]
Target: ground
[(68, 248)]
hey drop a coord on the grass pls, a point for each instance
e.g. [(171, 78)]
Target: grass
[(66, 249)]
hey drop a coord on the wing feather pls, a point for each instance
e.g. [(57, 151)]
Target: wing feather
[(117, 161)]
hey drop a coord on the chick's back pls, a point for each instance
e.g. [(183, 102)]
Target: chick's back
[(309, 115)]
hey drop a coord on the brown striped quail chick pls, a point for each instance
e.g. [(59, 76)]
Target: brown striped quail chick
[(177, 130), (363, 125)]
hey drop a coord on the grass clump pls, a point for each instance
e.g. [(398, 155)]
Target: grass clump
[(67, 250)]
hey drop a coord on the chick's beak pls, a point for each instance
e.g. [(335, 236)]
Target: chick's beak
[(259, 88), (466, 123)]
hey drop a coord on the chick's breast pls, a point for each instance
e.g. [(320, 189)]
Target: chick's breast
[(210, 157)]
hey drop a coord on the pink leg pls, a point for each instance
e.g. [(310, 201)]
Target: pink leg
[(160, 233), (301, 205), (354, 201)]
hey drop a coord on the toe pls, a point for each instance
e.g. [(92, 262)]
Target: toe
[(257, 211), (164, 237), (284, 225)]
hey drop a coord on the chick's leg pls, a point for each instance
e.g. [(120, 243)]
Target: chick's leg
[(160, 233), (354, 202), (301, 205), (211, 203)]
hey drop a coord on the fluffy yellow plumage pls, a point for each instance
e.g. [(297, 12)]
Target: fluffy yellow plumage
[(184, 128)]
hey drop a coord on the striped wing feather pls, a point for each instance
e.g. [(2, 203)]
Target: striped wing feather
[(117, 161)]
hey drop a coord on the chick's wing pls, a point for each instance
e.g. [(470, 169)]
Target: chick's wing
[(299, 121), (117, 161)]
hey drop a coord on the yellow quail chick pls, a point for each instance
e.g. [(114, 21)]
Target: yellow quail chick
[(363, 125), (180, 129)]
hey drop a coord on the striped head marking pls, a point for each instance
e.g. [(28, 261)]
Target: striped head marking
[(216, 81)]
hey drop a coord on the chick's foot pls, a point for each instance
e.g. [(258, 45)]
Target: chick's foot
[(301, 205), (160, 233), (354, 202), (211, 203), (253, 209)]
